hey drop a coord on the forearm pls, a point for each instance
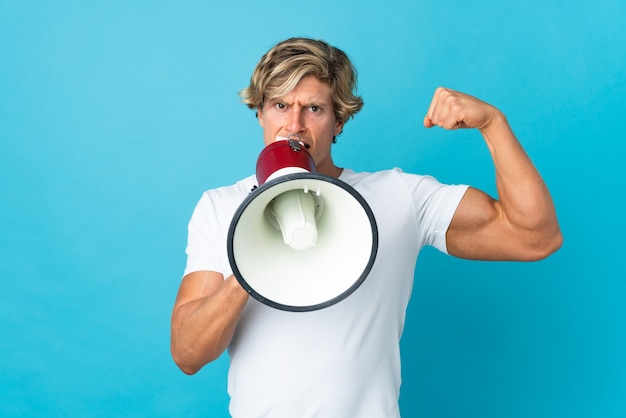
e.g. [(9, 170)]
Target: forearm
[(523, 196), (202, 328)]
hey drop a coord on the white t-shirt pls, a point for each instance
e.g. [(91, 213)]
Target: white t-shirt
[(344, 360)]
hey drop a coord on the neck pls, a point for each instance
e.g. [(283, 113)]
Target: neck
[(329, 169)]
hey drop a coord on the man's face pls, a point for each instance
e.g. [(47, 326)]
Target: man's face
[(307, 111)]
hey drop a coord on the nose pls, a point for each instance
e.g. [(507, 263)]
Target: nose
[(294, 122)]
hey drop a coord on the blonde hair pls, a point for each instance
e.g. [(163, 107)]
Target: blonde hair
[(282, 67)]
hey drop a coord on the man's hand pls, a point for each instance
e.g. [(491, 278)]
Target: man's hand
[(451, 109)]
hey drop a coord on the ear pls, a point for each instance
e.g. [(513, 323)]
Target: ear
[(339, 128), (259, 115)]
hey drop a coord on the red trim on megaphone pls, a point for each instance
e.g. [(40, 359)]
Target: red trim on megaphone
[(282, 154)]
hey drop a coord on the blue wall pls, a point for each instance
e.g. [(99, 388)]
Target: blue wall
[(115, 116)]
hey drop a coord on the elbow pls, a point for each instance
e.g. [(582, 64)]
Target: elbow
[(188, 369), (546, 246), (188, 361), (184, 364)]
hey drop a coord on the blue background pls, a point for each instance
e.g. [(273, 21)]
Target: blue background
[(115, 116)]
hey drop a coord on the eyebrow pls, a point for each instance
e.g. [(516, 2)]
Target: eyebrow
[(311, 102)]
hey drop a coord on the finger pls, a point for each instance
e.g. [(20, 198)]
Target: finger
[(428, 123), (452, 111), (432, 108)]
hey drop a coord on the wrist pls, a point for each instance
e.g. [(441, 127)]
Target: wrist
[(497, 123), (496, 130)]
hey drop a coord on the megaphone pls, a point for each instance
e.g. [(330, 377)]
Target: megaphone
[(301, 240)]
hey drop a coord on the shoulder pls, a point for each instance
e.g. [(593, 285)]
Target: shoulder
[(234, 191), (384, 177), (421, 190), (224, 199)]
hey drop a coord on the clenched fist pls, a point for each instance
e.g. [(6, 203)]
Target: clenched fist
[(451, 109)]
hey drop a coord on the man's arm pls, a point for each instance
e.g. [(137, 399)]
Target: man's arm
[(204, 318), (522, 224)]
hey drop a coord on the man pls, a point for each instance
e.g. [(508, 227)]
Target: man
[(343, 361)]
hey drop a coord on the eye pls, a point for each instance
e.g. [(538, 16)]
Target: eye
[(315, 109), (279, 105)]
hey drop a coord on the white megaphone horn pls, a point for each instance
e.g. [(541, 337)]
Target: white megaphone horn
[(301, 240)]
